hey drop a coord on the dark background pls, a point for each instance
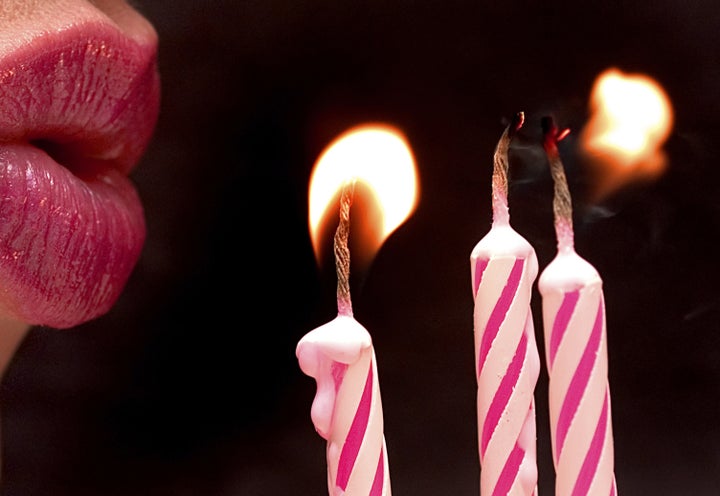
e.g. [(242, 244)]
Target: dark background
[(190, 385)]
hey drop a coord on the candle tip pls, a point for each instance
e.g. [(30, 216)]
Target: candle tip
[(551, 132), (517, 122)]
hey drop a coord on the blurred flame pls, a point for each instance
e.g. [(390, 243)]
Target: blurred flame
[(377, 156), (631, 117)]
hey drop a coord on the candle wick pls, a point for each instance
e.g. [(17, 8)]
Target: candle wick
[(500, 171), (342, 250), (562, 202)]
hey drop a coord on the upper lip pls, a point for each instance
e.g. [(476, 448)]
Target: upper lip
[(88, 95)]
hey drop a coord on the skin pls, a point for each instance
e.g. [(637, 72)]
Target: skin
[(23, 20)]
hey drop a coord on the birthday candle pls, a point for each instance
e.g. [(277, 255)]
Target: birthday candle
[(347, 410), (576, 348), (503, 269)]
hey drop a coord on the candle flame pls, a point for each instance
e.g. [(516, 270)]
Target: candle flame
[(631, 118), (378, 157)]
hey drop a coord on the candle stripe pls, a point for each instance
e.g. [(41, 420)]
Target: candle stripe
[(509, 472), (589, 466), (377, 486), (499, 311), (503, 393), (354, 439), (480, 267), (567, 307), (579, 382)]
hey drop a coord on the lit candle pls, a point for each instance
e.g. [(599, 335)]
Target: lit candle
[(576, 348), (347, 410), (503, 270)]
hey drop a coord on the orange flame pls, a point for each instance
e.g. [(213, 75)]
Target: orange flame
[(631, 117), (378, 157)]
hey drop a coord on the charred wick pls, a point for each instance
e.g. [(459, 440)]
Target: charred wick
[(342, 250), (562, 201)]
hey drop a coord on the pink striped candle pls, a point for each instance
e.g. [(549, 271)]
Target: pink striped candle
[(347, 410), (503, 270), (576, 348)]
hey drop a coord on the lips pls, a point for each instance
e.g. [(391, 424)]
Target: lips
[(77, 109)]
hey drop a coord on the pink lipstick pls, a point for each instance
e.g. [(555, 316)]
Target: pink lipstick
[(78, 106)]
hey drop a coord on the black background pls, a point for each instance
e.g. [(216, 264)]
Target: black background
[(190, 385)]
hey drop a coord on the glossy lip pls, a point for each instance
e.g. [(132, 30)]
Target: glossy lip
[(86, 97)]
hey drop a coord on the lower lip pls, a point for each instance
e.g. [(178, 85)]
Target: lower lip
[(67, 245)]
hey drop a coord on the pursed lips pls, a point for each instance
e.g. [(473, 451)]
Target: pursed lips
[(77, 110)]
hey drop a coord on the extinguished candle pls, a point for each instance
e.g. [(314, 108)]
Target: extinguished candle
[(347, 410), (503, 269), (573, 309)]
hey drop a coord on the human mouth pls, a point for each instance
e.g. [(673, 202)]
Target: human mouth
[(77, 110)]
